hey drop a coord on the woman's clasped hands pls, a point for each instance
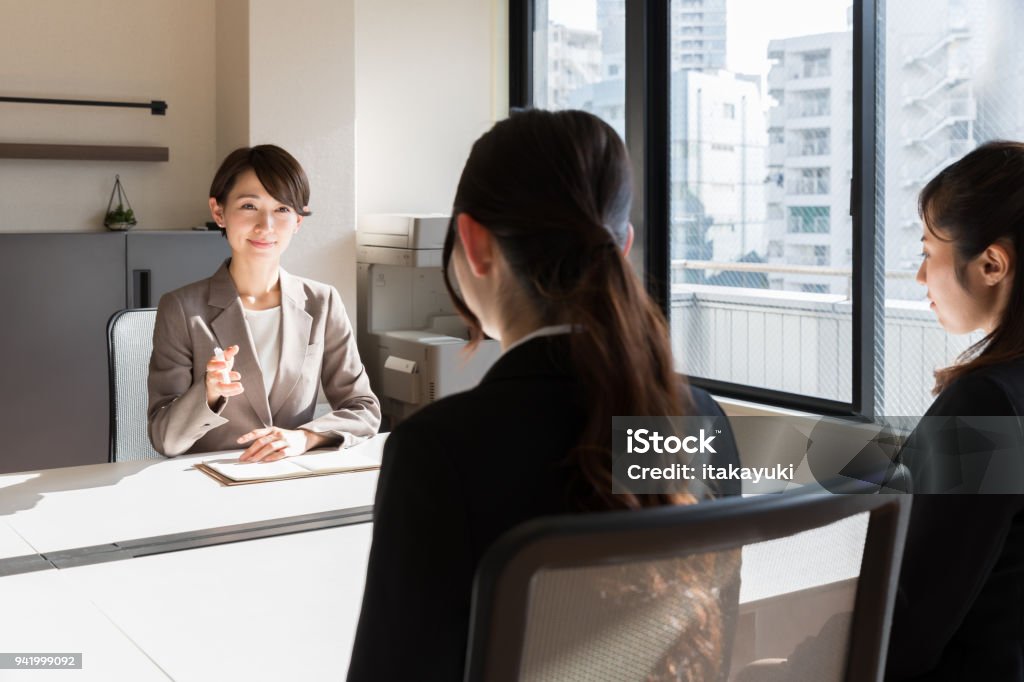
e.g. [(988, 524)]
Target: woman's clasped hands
[(267, 444), (273, 443)]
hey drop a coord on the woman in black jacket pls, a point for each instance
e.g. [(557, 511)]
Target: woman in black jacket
[(960, 606), (537, 246)]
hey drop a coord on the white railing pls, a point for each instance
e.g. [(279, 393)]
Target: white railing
[(809, 108), (783, 268), (809, 147), (809, 186), (802, 342)]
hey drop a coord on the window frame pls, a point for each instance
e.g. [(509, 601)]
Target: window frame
[(648, 78)]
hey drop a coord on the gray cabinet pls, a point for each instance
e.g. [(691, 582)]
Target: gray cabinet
[(158, 262), (61, 288)]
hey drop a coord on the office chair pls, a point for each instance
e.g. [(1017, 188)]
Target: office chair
[(129, 345), (590, 597)]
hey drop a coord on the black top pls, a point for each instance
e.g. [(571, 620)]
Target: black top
[(960, 605), (456, 476)]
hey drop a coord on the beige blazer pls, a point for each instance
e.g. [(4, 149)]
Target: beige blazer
[(317, 347)]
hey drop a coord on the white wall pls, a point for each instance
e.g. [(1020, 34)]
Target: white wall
[(132, 50), (302, 97), (430, 78)]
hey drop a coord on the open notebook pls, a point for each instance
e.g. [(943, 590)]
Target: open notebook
[(230, 471)]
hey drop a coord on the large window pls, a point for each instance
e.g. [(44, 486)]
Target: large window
[(789, 173), (579, 57), (755, 303), (951, 80)]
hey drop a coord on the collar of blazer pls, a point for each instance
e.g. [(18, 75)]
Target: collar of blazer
[(541, 356), (230, 328)]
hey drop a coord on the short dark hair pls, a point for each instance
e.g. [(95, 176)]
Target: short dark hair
[(277, 170)]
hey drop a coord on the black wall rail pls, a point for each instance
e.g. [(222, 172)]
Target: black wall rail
[(156, 107)]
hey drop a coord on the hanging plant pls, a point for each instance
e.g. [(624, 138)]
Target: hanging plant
[(119, 216)]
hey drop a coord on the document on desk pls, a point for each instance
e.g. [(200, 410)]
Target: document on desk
[(233, 472)]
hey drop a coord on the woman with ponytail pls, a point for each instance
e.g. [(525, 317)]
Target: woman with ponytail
[(536, 259), (960, 604)]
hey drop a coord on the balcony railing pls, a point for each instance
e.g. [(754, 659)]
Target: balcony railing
[(809, 225), (802, 343), (812, 147), (807, 109), (681, 264), (815, 68), (809, 186)]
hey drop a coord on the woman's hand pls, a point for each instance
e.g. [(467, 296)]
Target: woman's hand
[(275, 443), (216, 387)]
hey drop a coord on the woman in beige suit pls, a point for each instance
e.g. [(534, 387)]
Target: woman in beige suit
[(282, 336)]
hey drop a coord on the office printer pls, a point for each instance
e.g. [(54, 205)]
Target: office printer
[(410, 337)]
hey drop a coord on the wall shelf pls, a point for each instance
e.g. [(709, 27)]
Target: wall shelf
[(82, 152)]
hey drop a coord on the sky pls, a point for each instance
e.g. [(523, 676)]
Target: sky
[(750, 24)]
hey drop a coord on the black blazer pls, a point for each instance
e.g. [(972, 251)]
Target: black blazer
[(960, 605), (456, 476)]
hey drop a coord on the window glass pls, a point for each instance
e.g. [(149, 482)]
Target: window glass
[(951, 81), (760, 231), (579, 59), (761, 149)]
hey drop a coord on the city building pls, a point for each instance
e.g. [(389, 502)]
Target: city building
[(718, 145), (697, 40), (717, 170), (947, 93), (698, 34), (933, 107), (810, 160), (574, 61)]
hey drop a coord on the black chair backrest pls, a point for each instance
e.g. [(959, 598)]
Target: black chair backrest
[(646, 594)]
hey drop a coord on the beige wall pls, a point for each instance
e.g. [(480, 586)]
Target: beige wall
[(133, 50), (422, 79), (302, 97), (430, 78), (232, 69)]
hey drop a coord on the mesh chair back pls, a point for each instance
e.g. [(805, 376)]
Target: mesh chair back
[(129, 345), (669, 619), (693, 593)]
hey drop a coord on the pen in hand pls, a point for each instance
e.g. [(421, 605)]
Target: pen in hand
[(221, 381)]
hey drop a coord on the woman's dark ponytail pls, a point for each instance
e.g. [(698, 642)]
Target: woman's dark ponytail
[(554, 188)]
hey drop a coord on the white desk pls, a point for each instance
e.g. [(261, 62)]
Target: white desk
[(12, 544), (57, 509), (281, 607), (43, 613)]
